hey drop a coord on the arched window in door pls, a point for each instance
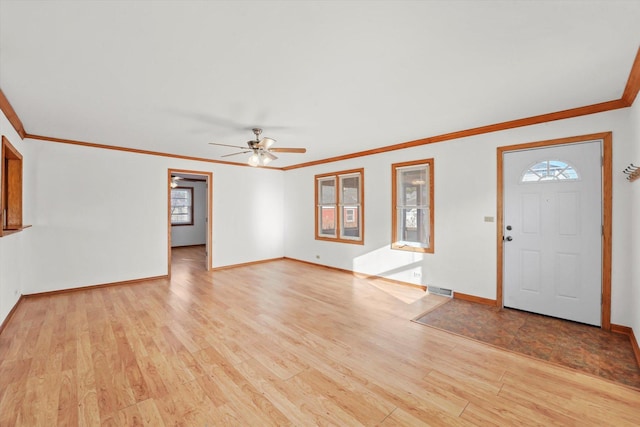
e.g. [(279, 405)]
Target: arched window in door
[(550, 170)]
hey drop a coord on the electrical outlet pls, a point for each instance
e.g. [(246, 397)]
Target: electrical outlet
[(417, 274)]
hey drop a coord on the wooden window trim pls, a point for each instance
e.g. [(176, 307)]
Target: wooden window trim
[(338, 220), (193, 203), (11, 189), (394, 216)]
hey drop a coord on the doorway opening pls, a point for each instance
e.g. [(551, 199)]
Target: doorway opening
[(189, 212), (606, 210)]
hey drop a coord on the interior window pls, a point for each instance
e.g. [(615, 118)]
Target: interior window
[(550, 170), (412, 198), (182, 206), (339, 207)]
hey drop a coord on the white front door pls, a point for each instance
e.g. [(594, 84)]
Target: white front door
[(552, 228)]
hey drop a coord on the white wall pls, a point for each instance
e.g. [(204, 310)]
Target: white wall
[(465, 192), (196, 234), (635, 222), (11, 246), (247, 215), (100, 216)]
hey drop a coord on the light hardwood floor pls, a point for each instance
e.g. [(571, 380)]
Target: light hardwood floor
[(279, 343)]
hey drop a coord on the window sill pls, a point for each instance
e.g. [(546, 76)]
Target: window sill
[(9, 231), (337, 240), (409, 248)]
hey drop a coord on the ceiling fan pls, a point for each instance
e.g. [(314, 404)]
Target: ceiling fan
[(174, 181), (261, 149)]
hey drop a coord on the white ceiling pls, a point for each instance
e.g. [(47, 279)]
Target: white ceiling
[(335, 77)]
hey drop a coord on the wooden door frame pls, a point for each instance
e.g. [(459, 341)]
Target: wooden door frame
[(607, 209), (209, 177)]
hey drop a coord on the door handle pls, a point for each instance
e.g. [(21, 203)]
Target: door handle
[(509, 238)]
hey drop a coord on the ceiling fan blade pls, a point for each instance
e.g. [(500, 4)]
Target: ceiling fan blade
[(269, 155), (288, 150), (227, 145), (234, 154), (266, 142)]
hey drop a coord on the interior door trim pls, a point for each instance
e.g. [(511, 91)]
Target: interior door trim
[(209, 179), (607, 209)]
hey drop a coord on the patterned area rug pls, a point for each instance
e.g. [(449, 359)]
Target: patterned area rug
[(575, 345)]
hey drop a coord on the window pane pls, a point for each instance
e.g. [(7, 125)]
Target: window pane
[(181, 202), (180, 218), (177, 210), (350, 190), (413, 186), (413, 226), (410, 195), (550, 170), (350, 223), (327, 221), (180, 194), (349, 215), (327, 192)]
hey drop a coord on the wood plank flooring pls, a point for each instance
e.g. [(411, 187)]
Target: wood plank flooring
[(279, 343)]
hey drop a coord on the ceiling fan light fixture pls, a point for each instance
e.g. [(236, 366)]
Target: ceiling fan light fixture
[(254, 160), (264, 160)]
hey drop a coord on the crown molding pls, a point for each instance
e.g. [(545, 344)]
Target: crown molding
[(137, 151), (11, 115), (528, 121), (633, 82)]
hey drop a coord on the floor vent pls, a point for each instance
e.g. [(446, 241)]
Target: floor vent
[(440, 291)]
